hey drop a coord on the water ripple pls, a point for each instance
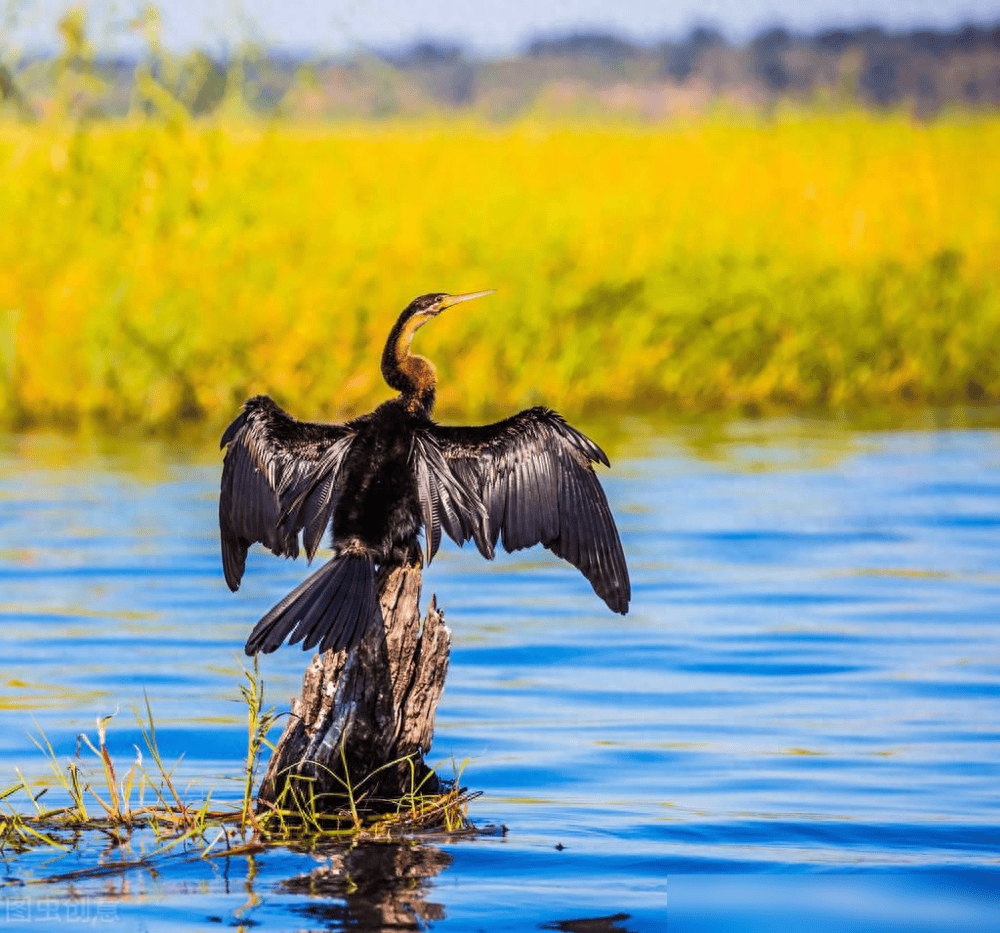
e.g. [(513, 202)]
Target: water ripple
[(808, 681)]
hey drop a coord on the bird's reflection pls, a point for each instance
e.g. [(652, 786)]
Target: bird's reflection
[(590, 925), (373, 887)]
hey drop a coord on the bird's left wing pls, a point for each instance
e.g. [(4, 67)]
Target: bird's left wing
[(446, 502), (533, 475), (280, 476)]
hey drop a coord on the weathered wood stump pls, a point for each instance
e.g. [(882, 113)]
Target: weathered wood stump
[(365, 717)]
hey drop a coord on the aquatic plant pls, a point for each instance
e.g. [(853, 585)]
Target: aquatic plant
[(144, 801)]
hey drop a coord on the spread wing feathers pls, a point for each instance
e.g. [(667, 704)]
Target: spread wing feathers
[(534, 476), (330, 610), (280, 476), (445, 501)]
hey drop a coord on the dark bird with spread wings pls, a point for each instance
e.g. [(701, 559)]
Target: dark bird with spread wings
[(382, 478)]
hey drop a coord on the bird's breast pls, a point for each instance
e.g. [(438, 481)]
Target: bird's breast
[(378, 504)]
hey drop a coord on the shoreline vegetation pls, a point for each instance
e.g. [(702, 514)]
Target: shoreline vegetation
[(155, 273), (146, 817), (816, 229)]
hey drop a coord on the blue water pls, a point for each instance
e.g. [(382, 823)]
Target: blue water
[(797, 725)]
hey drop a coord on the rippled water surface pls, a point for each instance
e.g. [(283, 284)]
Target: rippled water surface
[(808, 684)]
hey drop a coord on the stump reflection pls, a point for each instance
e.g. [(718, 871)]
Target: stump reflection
[(376, 887)]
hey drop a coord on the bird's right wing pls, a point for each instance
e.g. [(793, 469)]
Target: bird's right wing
[(280, 476), (533, 475)]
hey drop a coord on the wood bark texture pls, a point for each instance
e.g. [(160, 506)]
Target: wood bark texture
[(366, 717)]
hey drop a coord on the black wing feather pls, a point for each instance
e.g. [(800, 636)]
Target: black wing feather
[(533, 474), (446, 500), (280, 476)]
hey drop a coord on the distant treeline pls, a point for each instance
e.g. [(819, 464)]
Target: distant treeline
[(583, 74)]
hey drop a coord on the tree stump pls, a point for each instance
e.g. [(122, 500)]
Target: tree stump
[(365, 717)]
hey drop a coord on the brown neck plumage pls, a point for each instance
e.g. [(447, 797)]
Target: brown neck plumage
[(411, 375)]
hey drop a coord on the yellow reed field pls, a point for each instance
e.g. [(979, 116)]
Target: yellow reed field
[(154, 274)]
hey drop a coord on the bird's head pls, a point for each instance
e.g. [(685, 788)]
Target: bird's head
[(422, 309), (413, 375)]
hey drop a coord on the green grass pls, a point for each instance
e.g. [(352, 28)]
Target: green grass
[(141, 802)]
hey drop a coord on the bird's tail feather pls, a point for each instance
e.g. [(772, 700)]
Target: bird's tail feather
[(332, 609)]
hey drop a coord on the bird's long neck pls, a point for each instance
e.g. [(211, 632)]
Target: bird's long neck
[(411, 375)]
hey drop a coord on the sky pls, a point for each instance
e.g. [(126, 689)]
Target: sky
[(485, 27)]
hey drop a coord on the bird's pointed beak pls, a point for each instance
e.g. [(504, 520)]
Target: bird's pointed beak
[(450, 300)]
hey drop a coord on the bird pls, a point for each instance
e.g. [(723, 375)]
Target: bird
[(383, 478)]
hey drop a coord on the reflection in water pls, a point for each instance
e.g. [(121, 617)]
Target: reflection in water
[(373, 887), (590, 925), (807, 683), (370, 887), (790, 443)]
